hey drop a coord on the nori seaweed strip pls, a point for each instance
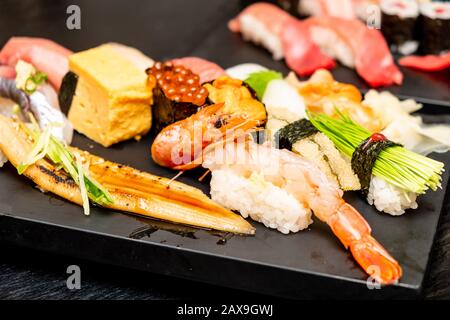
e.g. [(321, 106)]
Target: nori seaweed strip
[(287, 136), (166, 111), (365, 155), (67, 91)]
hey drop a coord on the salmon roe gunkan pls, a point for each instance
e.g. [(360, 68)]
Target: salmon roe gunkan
[(179, 83)]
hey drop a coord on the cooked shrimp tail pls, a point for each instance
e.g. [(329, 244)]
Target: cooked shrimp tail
[(182, 145), (355, 234)]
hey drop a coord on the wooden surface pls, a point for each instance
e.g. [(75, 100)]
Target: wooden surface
[(27, 274)]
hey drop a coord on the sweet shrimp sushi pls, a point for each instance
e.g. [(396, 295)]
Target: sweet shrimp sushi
[(282, 190)]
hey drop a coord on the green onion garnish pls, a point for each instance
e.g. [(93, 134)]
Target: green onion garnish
[(53, 149), (33, 81), (397, 165), (258, 81)]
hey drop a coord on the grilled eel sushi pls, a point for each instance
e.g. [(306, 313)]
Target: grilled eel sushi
[(132, 191)]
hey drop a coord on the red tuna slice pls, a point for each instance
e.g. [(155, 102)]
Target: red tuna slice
[(372, 59), (7, 72), (46, 56), (427, 63), (206, 70), (301, 54)]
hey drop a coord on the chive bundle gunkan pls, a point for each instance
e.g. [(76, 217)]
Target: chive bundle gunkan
[(401, 167)]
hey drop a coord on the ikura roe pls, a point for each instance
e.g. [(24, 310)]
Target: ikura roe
[(179, 83)]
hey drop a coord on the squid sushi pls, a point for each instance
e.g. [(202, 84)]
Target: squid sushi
[(282, 35)]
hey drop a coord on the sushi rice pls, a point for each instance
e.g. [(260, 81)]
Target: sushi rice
[(389, 198), (260, 200)]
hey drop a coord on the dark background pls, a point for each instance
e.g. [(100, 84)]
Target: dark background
[(163, 30)]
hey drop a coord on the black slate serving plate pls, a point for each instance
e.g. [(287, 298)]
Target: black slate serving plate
[(311, 263)]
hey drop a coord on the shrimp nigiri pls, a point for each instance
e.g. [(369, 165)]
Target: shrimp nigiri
[(280, 174)]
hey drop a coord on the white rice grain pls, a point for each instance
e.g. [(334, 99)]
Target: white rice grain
[(260, 200), (389, 198)]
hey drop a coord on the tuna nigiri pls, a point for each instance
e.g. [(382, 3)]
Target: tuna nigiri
[(281, 34), (313, 43), (46, 55), (356, 46)]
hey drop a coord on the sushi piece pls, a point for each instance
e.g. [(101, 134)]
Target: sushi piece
[(302, 54), (45, 55), (281, 189), (236, 97), (284, 105), (39, 106), (323, 94), (112, 97), (183, 144), (312, 44), (356, 46), (115, 186), (177, 95), (434, 27), (304, 139), (398, 23), (206, 70), (281, 34), (262, 23), (402, 174)]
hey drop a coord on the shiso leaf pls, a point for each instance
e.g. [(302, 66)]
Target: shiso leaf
[(401, 167), (258, 81)]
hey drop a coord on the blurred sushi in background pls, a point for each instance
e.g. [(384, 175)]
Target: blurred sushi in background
[(434, 27), (398, 24)]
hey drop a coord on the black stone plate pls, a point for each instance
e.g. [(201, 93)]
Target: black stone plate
[(311, 263)]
